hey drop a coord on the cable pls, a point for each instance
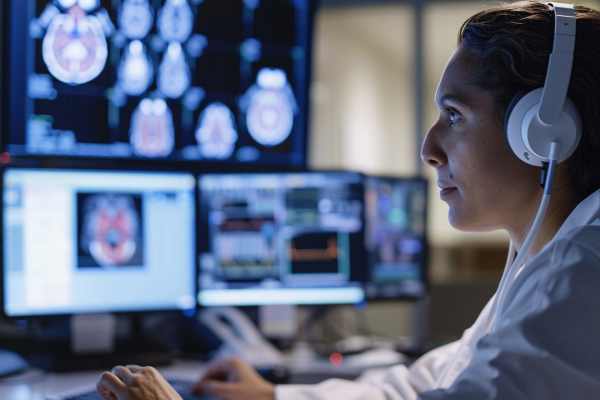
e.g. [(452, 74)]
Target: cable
[(509, 276)]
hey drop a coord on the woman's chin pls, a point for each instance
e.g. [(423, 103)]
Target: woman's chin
[(464, 223)]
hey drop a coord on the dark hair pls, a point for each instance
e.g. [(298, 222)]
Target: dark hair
[(511, 45)]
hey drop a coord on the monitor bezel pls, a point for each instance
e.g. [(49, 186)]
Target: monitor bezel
[(32, 164)]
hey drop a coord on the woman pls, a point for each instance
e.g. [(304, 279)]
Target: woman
[(545, 340)]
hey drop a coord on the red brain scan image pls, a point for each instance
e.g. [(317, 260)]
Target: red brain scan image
[(74, 47), (111, 229), (152, 132)]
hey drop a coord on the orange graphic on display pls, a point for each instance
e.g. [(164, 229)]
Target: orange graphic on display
[(328, 254)]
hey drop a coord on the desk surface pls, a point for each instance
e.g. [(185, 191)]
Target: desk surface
[(34, 386)]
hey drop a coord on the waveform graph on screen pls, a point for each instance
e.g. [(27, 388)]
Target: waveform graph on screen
[(110, 230), (315, 253)]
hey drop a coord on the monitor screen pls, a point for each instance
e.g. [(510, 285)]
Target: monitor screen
[(212, 80), (395, 239), (291, 238), (97, 241)]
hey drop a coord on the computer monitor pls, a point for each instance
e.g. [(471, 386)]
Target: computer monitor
[(395, 237), (86, 241), (195, 80), (293, 238)]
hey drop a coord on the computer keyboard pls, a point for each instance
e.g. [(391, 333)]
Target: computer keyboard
[(182, 387)]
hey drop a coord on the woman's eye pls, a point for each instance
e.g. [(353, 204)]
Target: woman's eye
[(453, 116)]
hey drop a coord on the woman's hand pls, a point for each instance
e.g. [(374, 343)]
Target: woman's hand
[(135, 383), (233, 379)]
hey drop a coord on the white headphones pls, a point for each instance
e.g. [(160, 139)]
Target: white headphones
[(543, 128), (537, 118)]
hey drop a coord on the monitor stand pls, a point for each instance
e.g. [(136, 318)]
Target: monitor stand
[(92, 343)]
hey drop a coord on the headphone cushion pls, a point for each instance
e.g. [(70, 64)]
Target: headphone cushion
[(511, 106)]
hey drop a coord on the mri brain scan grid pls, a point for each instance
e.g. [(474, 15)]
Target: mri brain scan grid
[(178, 79)]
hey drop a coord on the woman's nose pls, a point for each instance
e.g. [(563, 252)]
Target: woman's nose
[(431, 152)]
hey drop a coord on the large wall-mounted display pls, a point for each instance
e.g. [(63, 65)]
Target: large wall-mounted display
[(210, 80)]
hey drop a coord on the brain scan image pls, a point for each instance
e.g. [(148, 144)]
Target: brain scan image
[(135, 71), (175, 21), (152, 132), (216, 133), (74, 48), (270, 107), (135, 18), (110, 230), (174, 75), (87, 5)]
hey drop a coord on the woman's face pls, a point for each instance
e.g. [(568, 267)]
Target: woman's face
[(485, 185)]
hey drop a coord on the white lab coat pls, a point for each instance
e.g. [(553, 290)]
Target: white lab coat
[(545, 344)]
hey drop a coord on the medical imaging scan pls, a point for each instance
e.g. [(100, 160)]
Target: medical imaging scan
[(101, 242), (74, 47), (175, 21), (174, 74), (216, 133), (152, 129), (136, 18), (270, 107), (395, 211), (79, 72), (111, 230), (135, 70)]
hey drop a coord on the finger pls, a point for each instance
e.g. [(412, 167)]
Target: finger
[(134, 368), (216, 370), (109, 386), (242, 369), (220, 369), (218, 388), (124, 374)]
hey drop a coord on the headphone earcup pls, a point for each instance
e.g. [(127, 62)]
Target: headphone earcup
[(530, 139), (511, 106)]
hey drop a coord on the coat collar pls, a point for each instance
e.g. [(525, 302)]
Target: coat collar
[(584, 214)]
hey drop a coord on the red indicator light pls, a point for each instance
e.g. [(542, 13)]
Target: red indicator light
[(336, 359), (4, 158)]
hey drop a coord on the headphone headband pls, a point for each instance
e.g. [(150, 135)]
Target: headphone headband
[(560, 65)]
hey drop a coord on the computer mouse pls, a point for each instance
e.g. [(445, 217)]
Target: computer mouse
[(11, 363)]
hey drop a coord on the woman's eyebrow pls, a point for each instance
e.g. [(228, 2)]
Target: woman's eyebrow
[(452, 98)]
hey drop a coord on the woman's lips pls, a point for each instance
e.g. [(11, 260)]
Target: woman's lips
[(445, 193)]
